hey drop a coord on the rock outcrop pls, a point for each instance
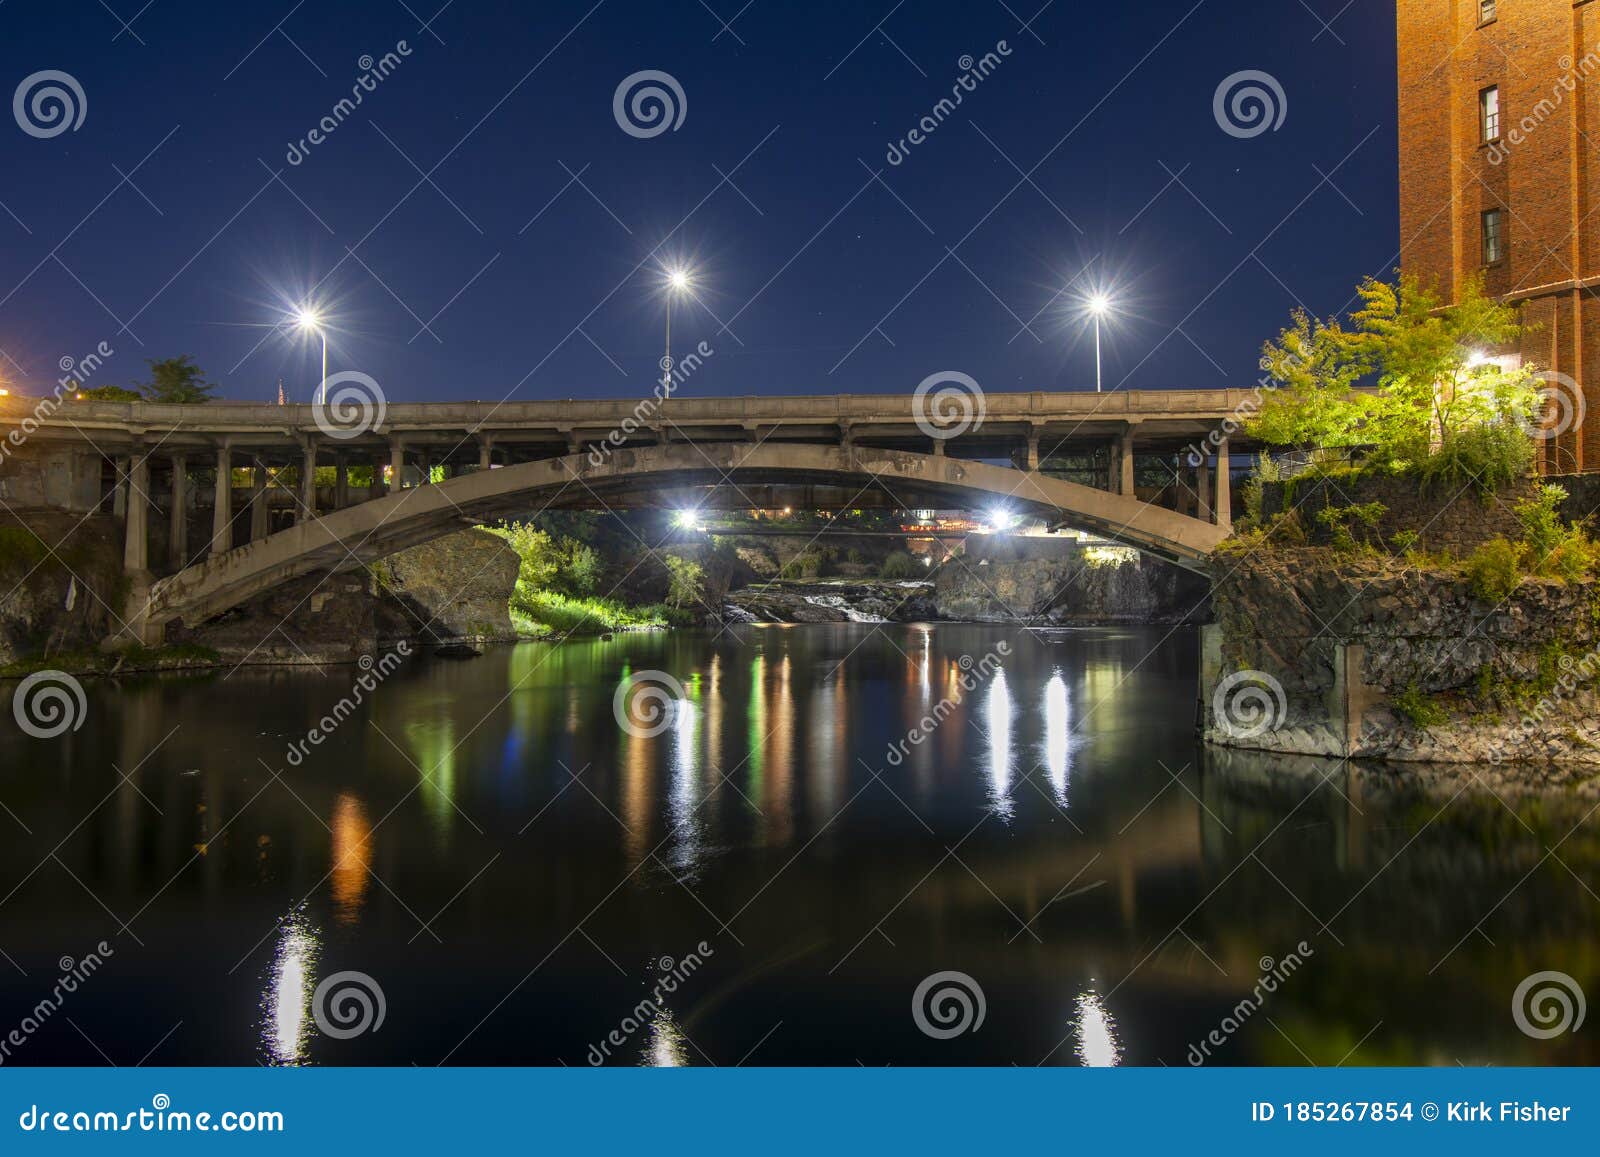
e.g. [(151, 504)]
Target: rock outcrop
[(61, 583), (1048, 582), (832, 601), (1317, 654), (451, 590)]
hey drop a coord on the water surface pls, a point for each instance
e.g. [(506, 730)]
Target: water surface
[(516, 872)]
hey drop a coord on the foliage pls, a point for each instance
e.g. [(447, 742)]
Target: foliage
[(109, 394), (1487, 458), (899, 566), (805, 565), (1266, 470), (176, 380), (1347, 522), (685, 580), (20, 548), (1405, 541), (550, 612), (1555, 549), (583, 568), (1439, 410), (1417, 707), (1494, 569)]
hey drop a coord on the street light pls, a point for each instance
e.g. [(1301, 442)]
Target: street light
[(1099, 306), (678, 281), (308, 319)]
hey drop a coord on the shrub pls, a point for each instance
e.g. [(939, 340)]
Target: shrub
[(899, 565), (581, 568), (1416, 706), (1487, 458), (1405, 541), (685, 579), (805, 565), (1495, 569)]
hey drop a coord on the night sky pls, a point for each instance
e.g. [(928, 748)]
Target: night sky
[(500, 275)]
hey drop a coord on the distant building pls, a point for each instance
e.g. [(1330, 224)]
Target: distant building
[(1500, 175)]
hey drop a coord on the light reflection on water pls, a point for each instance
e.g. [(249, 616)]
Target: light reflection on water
[(1032, 840), (286, 1005)]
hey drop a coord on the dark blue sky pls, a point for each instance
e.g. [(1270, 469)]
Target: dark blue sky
[(531, 284)]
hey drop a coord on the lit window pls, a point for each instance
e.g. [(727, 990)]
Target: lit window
[(1494, 239), (1489, 113), (1485, 11)]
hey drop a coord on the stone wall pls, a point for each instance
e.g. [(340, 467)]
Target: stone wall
[(1447, 521), (1340, 656)]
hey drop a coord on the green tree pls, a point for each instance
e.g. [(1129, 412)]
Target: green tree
[(685, 579), (1441, 408), (109, 394), (176, 380)]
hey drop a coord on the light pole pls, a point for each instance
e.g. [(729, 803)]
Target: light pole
[(309, 319), (1099, 306), (677, 282)]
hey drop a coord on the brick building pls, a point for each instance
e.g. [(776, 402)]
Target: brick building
[(1499, 175)]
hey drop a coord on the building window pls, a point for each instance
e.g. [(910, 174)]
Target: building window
[(1489, 113), (1485, 11), (1494, 238)]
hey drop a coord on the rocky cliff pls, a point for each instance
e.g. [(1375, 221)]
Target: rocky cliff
[(61, 583), (453, 589), (1318, 654), (1044, 581)]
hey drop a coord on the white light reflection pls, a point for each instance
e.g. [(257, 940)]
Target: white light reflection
[(285, 1004), (999, 722), (1097, 1040), (665, 1049), (685, 798), (1057, 718)]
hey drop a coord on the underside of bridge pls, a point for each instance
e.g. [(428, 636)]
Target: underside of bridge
[(357, 535)]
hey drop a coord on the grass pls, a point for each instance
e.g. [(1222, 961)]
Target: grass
[(107, 663), (550, 613)]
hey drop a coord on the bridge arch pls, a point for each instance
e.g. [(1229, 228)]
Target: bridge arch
[(369, 531)]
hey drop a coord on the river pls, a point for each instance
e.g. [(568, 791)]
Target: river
[(774, 867)]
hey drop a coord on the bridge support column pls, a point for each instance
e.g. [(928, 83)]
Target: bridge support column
[(377, 488), (1033, 451), (222, 511), (1224, 487), (485, 453), (341, 483), (136, 545), (308, 485), (119, 494), (938, 447), (1202, 490), (178, 524), (260, 517), (1125, 463), (424, 467), (397, 465)]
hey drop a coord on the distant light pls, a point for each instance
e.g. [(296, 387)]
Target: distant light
[(1099, 305), (1476, 358), (5, 393), (1001, 520), (307, 318), (687, 519), (678, 279)]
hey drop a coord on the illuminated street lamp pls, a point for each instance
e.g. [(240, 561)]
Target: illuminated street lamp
[(1099, 306), (308, 319), (678, 281)]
